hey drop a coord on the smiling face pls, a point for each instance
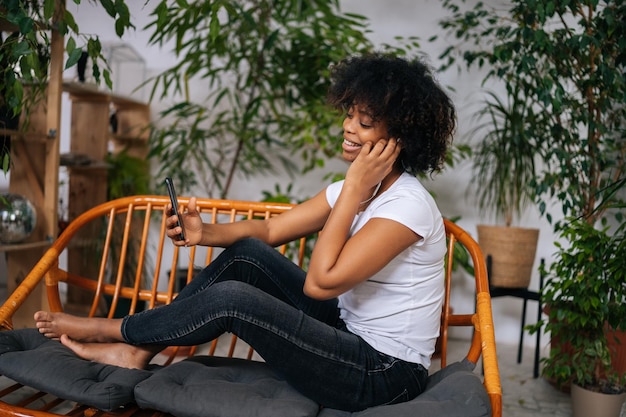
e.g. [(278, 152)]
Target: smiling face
[(358, 128)]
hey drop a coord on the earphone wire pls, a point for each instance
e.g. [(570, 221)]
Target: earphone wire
[(373, 195)]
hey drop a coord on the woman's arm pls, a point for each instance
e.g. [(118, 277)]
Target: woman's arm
[(301, 220), (338, 263), (361, 256)]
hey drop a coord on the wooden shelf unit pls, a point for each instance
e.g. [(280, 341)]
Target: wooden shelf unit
[(35, 170)]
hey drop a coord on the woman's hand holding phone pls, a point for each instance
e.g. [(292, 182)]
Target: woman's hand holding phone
[(173, 211), (183, 228)]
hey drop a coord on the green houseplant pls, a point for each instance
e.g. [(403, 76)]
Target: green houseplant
[(568, 59), (504, 157), (587, 308), (23, 61), (504, 165), (25, 43)]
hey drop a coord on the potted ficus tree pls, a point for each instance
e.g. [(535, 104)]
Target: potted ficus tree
[(569, 59)]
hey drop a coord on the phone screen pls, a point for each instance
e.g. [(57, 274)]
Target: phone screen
[(174, 200)]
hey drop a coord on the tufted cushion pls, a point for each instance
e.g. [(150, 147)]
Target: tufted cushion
[(222, 387), (211, 386), (454, 391), (31, 359)]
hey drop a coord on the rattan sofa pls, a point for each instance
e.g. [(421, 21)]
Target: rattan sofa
[(43, 378)]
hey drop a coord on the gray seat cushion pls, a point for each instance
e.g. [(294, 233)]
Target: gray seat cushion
[(454, 391), (212, 386), (222, 387), (32, 359)]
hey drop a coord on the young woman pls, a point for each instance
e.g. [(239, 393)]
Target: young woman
[(358, 328)]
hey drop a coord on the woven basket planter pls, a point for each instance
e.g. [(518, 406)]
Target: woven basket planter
[(512, 251)]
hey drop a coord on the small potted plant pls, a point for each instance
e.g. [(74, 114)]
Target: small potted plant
[(586, 295)]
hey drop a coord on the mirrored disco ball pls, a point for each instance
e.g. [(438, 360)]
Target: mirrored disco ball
[(18, 218)]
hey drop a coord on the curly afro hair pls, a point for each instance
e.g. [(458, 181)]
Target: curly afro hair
[(404, 95)]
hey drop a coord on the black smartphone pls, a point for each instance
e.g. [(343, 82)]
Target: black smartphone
[(172, 192)]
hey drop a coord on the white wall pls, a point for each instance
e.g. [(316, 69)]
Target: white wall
[(452, 188)]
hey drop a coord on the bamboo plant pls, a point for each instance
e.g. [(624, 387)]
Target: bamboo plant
[(264, 67)]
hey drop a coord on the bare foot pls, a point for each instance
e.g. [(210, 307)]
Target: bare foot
[(118, 354), (85, 329)]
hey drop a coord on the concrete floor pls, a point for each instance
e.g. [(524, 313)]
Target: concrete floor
[(525, 396)]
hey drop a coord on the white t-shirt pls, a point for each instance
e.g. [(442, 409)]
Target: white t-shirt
[(398, 310)]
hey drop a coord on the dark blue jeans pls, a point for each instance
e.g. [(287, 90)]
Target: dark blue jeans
[(256, 293)]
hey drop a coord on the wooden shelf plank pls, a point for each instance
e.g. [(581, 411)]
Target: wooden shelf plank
[(130, 138), (86, 90), (88, 167), (24, 246), (24, 136)]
